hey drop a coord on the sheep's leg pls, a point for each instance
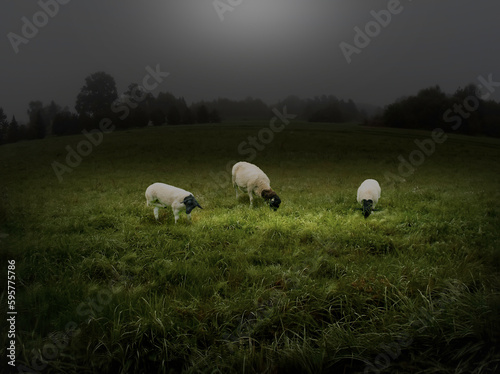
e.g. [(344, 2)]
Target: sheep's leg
[(250, 195), (176, 214), (189, 216), (156, 212), (236, 190)]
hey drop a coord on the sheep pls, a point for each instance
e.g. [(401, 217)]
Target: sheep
[(368, 195), (250, 178), (161, 195)]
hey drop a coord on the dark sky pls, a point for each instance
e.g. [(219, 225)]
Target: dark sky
[(260, 48)]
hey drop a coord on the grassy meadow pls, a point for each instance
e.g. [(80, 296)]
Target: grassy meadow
[(102, 287)]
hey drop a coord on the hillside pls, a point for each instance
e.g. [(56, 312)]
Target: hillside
[(313, 287)]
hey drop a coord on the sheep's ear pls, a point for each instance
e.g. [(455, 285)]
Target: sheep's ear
[(198, 205)]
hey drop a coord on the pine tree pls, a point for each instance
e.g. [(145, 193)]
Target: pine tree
[(4, 125), (202, 114), (13, 131)]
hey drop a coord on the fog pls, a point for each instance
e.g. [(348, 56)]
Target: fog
[(267, 49)]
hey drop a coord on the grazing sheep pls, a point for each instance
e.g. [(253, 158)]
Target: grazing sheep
[(161, 195), (250, 178), (368, 195)]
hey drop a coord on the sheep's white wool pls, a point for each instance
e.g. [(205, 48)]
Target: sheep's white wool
[(251, 179), (161, 195), (369, 190), (368, 195)]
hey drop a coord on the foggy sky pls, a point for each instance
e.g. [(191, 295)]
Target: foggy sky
[(261, 48)]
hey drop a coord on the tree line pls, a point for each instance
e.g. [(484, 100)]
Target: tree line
[(99, 99), (465, 111)]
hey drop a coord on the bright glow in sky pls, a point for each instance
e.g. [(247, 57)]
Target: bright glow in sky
[(262, 48)]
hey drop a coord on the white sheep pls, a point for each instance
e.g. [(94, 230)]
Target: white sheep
[(161, 195), (250, 178), (368, 195)]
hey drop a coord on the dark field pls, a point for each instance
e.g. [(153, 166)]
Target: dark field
[(314, 287)]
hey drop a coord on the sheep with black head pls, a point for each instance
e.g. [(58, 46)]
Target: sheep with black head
[(368, 195), (161, 195)]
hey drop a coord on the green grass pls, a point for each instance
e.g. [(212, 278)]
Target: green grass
[(313, 287)]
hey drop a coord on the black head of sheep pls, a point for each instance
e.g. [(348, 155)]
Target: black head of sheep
[(272, 198), (191, 203), (275, 202), (367, 207)]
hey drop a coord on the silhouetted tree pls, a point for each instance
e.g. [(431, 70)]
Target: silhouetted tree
[(49, 113), (4, 126), (463, 112), (330, 109), (164, 100), (490, 111), (471, 121), (13, 131), (248, 109), (159, 107), (430, 104), (34, 107), (133, 108), (157, 117), (214, 116), (350, 111), (202, 114), (425, 110), (468, 91), (66, 123), (294, 105), (139, 117), (400, 113), (96, 98), (188, 117), (329, 113), (37, 129), (173, 115)]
